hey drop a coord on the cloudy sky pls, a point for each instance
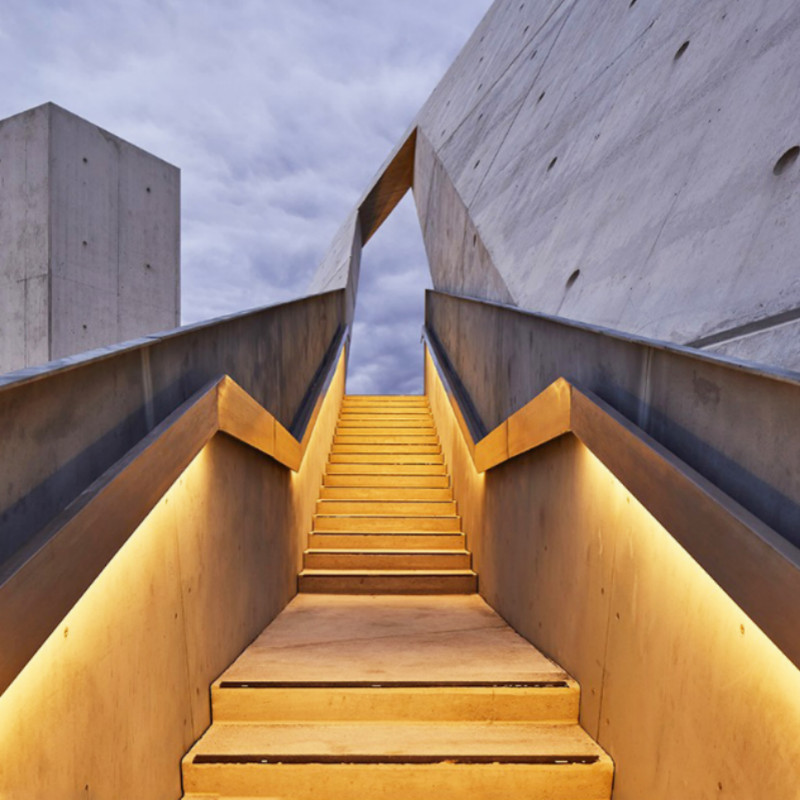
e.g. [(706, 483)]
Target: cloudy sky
[(278, 113)]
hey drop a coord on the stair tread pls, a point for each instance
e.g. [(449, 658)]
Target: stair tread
[(387, 533), (393, 739), (384, 494), (343, 573), (394, 515), (385, 552)]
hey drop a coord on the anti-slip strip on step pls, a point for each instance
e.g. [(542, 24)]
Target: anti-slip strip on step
[(344, 515), (394, 685), (555, 760), (384, 533), (349, 551)]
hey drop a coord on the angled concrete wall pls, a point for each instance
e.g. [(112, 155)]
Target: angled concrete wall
[(66, 423), (90, 231), (683, 690), (617, 161), (732, 424), (627, 164), (118, 693)]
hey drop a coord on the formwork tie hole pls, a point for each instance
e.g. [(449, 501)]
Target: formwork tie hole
[(786, 160), (572, 278)]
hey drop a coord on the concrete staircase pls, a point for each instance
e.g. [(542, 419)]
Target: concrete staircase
[(386, 520), (346, 697), (387, 677)]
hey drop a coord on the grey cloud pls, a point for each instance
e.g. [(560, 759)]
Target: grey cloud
[(278, 114)]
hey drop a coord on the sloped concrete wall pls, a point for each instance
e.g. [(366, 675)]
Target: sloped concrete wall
[(120, 691), (64, 424), (616, 161), (685, 693), (732, 424)]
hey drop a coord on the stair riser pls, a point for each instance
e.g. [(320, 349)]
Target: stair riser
[(444, 781), (387, 541), (386, 494), (349, 401), (399, 507), (387, 449), (383, 436), (386, 524), (399, 470), (397, 421), (412, 430), (382, 458), (400, 704), (390, 481), (381, 399), (454, 560), (385, 411), (388, 584)]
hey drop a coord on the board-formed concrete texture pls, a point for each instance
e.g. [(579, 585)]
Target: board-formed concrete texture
[(627, 164), (90, 227)]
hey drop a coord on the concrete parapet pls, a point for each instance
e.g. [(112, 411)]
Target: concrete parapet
[(730, 422), (64, 424)]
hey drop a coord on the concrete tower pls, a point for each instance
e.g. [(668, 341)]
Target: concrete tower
[(90, 232)]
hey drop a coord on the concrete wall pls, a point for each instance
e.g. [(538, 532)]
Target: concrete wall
[(732, 424), (575, 140), (120, 691), (677, 684), (90, 228), (631, 165), (65, 424)]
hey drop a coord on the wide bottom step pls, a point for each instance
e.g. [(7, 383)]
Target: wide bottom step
[(380, 761), (387, 582)]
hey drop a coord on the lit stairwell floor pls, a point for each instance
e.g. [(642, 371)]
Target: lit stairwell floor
[(347, 696), (391, 638)]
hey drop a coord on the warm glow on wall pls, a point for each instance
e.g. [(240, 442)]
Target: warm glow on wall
[(701, 600), (684, 667), (127, 628)]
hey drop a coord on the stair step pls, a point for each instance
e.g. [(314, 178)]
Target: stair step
[(364, 540), (413, 761), (384, 493), (378, 581), (385, 399), (387, 469), (387, 507), (384, 437), (386, 559), (416, 411), (261, 701), (390, 480), (396, 421), (386, 524), (386, 458), (387, 449), (371, 429)]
